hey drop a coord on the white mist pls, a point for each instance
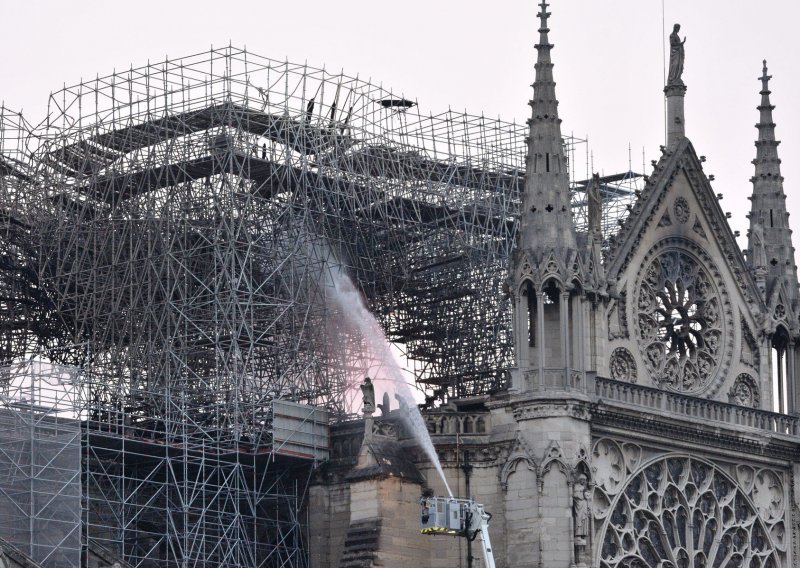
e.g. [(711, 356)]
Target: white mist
[(350, 305)]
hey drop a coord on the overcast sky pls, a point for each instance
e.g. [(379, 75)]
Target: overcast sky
[(468, 55)]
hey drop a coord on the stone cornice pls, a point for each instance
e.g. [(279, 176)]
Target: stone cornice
[(552, 408), (451, 452), (695, 433), (545, 403)]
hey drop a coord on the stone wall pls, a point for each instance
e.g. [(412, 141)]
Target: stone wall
[(537, 459), (329, 517)]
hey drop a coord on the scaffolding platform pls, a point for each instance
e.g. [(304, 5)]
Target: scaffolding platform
[(170, 232)]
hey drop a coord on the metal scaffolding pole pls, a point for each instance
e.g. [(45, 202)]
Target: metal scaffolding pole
[(167, 232)]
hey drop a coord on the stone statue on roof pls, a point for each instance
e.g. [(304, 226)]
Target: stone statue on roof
[(758, 253), (368, 391), (676, 56)]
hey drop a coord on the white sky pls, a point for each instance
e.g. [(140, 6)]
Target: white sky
[(468, 55)]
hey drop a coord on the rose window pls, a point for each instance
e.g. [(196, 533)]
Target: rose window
[(680, 512), (680, 325)]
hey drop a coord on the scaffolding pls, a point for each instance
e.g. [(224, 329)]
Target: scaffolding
[(618, 193), (40, 462), (167, 231)]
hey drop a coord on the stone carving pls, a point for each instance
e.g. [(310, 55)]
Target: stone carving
[(665, 221), (633, 455), (623, 365), (745, 475), (681, 210), (749, 354), (676, 57), (680, 320), (608, 466), (525, 269), (554, 455), (449, 423), (768, 495), (698, 228), (520, 453), (368, 392), (580, 509), (683, 511), (758, 254), (485, 455), (385, 428), (618, 317), (489, 454), (625, 246), (385, 406), (745, 391), (554, 452), (548, 410)]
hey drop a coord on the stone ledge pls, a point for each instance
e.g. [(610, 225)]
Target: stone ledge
[(757, 444)]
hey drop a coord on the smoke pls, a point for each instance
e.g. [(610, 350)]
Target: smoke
[(350, 306)]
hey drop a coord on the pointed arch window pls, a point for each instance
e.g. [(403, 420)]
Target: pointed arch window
[(779, 360), (551, 307), (530, 304)]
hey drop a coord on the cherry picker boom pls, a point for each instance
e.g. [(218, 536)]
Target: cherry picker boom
[(457, 517)]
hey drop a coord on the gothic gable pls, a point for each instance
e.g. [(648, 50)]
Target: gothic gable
[(520, 453), (687, 288), (540, 266), (780, 309), (649, 211)]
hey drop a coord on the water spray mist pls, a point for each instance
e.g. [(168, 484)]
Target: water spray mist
[(351, 306)]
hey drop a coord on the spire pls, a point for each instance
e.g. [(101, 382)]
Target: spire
[(550, 339), (546, 221), (770, 239), (766, 162)]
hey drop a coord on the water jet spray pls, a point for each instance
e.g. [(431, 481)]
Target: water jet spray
[(341, 290)]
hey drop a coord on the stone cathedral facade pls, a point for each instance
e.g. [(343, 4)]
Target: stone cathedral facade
[(640, 428)]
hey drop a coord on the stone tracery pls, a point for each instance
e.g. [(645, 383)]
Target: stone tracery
[(745, 391), (623, 365), (680, 321), (683, 512), (681, 208)]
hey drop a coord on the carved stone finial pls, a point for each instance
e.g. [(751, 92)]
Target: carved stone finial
[(544, 13), (765, 78), (595, 200), (676, 57), (385, 406)]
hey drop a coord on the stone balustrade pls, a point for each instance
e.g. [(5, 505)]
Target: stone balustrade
[(442, 423), (641, 397), (616, 393)]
